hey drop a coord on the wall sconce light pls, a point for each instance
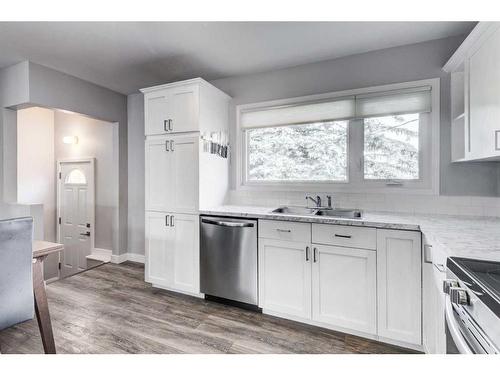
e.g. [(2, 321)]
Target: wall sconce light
[(70, 140)]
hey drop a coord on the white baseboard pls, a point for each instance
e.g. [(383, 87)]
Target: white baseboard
[(138, 258), (117, 259)]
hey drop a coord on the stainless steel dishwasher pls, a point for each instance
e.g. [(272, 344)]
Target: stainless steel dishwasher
[(228, 259)]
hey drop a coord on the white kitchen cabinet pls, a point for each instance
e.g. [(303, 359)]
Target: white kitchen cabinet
[(185, 268), (171, 178), (158, 243), (180, 176), (172, 110), (285, 277), (172, 255), (399, 285), (158, 174), (344, 287), (484, 97), (475, 95), (433, 300)]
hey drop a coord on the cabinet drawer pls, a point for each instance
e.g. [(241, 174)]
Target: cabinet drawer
[(342, 235), (285, 230)]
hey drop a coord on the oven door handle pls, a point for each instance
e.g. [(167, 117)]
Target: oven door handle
[(458, 339)]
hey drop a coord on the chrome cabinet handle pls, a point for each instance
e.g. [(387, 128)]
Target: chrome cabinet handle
[(170, 126), (342, 236), (283, 230), (172, 221), (315, 252), (307, 253), (166, 220), (427, 258), (172, 145), (166, 145), (165, 125)]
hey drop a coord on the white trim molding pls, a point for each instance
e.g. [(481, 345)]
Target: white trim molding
[(132, 257), (428, 183)]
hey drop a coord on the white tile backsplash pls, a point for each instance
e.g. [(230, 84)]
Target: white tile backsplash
[(401, 203)]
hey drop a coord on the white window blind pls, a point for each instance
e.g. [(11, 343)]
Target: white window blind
[(411, 100), (414, 100), (298, 114)]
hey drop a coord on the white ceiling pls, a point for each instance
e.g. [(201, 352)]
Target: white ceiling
[(127, 56)]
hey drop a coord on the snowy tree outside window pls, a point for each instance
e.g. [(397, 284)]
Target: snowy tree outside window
[(391, 147), (310, 152)]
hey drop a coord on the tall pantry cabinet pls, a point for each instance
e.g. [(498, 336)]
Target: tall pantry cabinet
[(183, 174)]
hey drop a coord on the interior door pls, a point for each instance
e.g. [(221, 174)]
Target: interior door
[(76, 205)]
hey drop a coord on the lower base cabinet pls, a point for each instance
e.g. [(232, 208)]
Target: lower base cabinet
[(344, 287), (433, 308), (375, 290), (172, 251), (285, 277), (399, 285)]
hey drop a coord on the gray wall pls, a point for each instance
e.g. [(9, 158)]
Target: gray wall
[(135, 105), (52, 89), (95, 139), (393, 65)]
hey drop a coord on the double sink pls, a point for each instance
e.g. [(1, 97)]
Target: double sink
[(318, 211)]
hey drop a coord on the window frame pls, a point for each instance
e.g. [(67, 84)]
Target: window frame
[(429, 151)]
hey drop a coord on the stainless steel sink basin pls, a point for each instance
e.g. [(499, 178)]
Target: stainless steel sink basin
[(339, 212), (330, 212), (295, 210)]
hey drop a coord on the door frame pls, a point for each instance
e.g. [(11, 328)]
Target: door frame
[(91, 183)]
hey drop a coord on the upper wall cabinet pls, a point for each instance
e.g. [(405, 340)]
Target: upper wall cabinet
[(181, 107), (475, 95), (172, 110)]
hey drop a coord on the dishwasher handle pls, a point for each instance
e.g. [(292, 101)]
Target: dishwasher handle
[(227, 223)]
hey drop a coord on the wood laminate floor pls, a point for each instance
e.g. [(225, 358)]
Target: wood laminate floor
[(110, 309)]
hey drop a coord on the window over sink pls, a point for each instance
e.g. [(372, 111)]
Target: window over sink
[(363, 140)]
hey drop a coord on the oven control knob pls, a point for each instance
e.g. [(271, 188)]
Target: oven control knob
[(449, 283), (459, 296)]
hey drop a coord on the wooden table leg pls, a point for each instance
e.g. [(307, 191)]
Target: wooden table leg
[(42, 308)]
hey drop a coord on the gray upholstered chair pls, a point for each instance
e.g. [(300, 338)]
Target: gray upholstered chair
[(16, 281)]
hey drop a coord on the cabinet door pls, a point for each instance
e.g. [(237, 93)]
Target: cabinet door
[(184, 175), (285, 277), (429, 309), (158, 243), (159, 175), (156, 113), (185, 268), (344, 287), (184, 104), (484, 96), (399, 281)]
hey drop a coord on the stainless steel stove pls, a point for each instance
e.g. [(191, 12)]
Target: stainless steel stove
[(472, 308)]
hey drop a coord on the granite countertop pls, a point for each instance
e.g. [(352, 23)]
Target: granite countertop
[(463, 236)]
